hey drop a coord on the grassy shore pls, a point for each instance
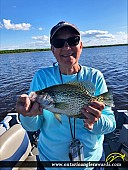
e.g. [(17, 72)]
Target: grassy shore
[(22, 50), (48, 49)]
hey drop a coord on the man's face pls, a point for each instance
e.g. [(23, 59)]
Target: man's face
[(67, 56)]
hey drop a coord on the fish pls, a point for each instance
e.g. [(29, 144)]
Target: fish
[(69, 98)]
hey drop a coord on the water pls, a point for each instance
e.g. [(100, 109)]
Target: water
[(17, 70)]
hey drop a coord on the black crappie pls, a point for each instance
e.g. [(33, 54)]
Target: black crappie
[(69, 98)]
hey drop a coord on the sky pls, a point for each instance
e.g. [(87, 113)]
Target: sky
[(27, 23)]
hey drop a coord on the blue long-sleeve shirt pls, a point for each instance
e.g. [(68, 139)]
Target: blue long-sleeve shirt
[(55, 138)]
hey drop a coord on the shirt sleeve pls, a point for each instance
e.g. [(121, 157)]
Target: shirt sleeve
[(38, 81), (31, 123), (106, 123), (34, 123)]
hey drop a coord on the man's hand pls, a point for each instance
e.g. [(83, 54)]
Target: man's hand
[(26, 107), (92, 112)]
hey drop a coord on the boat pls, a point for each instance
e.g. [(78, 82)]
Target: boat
[(18, 148)]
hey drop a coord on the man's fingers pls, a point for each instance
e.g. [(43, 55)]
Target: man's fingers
[(26, 107), (88, 124), (98, 105), (35, 110), (92, 112), (23, 104), (89, 115)]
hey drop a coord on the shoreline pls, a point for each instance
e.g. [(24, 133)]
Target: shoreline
[(48, 49)]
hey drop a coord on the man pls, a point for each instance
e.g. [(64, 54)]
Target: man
[(55, 138)]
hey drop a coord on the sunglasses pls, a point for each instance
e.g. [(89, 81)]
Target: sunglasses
[(72, 41)]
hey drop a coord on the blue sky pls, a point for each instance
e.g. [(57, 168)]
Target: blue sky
[(27, 23)]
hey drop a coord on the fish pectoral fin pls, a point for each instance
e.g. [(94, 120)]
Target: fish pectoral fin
[(61, 105), (57, 116), (106, 98)]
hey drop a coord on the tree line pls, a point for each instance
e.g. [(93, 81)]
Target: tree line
[(48, 49), (22, 50)]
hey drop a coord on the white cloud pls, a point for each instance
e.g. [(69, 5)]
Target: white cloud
[(96, 34), (105, 36), (121, 33), (29, 45), (99, 37), (121, 37), (8, 25), (43, 38), (93, 33), (89, 38), (40, 42), (40, 28)]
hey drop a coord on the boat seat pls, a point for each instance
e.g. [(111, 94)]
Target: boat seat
[(14, 145)]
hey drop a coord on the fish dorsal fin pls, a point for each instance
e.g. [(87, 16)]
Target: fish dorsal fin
[(84, 86)]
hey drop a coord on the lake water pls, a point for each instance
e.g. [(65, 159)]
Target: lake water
[(17, 70)]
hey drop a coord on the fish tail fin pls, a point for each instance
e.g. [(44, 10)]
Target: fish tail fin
[(106, 98)]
